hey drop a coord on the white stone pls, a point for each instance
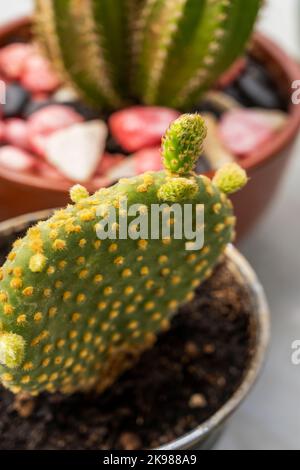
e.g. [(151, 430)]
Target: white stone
[(65, 94), (274, 118), (125, 169), (77, 150)]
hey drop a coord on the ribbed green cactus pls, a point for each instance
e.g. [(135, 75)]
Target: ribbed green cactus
[(76, 311), (164, 52)]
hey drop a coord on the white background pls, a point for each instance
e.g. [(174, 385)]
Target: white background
[(270, 418)]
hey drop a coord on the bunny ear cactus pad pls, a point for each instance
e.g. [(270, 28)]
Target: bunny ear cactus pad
[(76, 311), (164, 52)]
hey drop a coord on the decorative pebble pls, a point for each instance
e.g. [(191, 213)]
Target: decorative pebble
[(38, 144), (237, 95), (221, 100), (2, 131), (16, 99), (125, 169), (214, 150), (100, 182), (89, 114), (112, 146), (48, 171), (258, 92), (145, 160), (202, 166), (47, 120), (13, 58), (82, 144), (53, 118), (141, 126), (65, 94), (275, 119), (108, 161), (148, 159), (258, 87), (35, 105), (16, 159), (16, 133), (244, 131), (38, 75)]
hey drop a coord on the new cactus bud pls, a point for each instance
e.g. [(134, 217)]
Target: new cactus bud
[(230, 178), (78, 308), (164, 52), (11, 350), (182, 144)]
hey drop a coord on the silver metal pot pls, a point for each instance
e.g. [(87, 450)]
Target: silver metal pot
[(207, 433)]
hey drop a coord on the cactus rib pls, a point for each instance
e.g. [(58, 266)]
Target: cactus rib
[(164, 52), (206, 37), (79, 45), (226, 42)]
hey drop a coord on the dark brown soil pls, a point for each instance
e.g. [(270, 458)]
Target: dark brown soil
[(190, 373)]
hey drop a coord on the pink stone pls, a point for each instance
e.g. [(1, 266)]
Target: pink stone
[(108, 161), (139, 127), (2, 131), (140, 162), (148, 160), (47, 120), (16, 159), (13, 58), (38, 75), (16, 133), (244, 131), (48, 171)]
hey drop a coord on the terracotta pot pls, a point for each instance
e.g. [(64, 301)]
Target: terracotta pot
[(205, 435), (20, 193)]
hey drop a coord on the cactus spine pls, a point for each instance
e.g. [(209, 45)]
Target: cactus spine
[(76, 311), (164, 52)]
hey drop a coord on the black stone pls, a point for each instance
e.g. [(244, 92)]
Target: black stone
[(237, 94), (112, 146), (33, 106), (202, 165), (207, 107), (257, 88), (259, 72), (16, 99), (86, 112), (259, 93)]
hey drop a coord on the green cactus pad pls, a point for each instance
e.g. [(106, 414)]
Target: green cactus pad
[(76, 311)]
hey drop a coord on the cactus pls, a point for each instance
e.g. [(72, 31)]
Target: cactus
[(76, 311), (165, 52)]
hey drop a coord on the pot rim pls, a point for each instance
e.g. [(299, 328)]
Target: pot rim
[(270, 150), (245, 274)]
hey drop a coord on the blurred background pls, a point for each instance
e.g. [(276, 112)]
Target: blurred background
[(270, 418)]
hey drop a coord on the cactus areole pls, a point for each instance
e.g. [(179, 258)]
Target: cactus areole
[(76, 310), (164, 52)]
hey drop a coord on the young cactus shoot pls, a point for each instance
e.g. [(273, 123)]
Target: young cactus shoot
[(76, 311)]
